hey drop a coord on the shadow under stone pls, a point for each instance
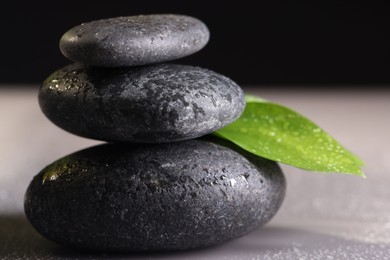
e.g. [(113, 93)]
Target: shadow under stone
[(18, 239)]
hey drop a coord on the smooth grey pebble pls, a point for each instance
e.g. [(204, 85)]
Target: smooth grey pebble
[(154, 197), (134, 40), (152, 104)]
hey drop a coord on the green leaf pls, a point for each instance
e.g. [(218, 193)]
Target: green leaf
[(278, 133)]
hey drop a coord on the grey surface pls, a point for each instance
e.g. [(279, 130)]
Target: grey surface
[(324, 216), (153, 104), (160, 197), (134, 40)]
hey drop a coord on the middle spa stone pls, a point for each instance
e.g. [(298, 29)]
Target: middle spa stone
[(151, 104)]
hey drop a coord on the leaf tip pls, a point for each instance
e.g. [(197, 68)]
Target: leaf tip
[(357, 172), (361, 174)]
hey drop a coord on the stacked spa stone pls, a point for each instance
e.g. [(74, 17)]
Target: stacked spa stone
[(160, 183)]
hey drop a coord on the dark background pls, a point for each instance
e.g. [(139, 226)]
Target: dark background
[(251, 42)]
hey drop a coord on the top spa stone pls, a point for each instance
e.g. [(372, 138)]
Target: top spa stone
[(134, 40), (147, 104)]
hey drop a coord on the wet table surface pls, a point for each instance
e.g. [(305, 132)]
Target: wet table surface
[(324, 216)]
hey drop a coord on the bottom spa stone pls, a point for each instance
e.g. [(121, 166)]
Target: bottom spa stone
[(153, 197)]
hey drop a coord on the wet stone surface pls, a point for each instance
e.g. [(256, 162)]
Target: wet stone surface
[(159, 103), (174, 196), (134, 40)]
